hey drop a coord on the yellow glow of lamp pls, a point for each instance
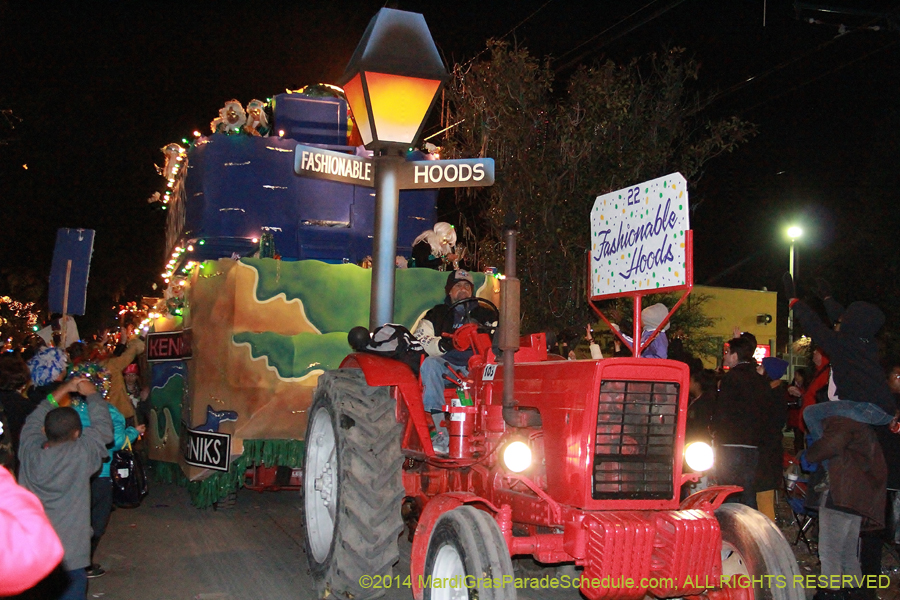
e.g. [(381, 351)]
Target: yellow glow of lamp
[(393, 79), (794, 232)]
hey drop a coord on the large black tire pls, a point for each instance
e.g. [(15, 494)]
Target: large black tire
[(466, 542), (752, 546), (353, 485)]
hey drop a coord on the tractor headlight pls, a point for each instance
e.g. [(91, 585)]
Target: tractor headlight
[(517, 456), (699, 456)]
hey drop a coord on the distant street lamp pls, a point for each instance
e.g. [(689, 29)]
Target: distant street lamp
[(391, 83), (793, 233)]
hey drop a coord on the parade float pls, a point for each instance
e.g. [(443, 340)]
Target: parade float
[(265, 276)]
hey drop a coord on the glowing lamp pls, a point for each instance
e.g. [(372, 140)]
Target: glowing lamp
[(517, 456), (393, 79), (794, 232)]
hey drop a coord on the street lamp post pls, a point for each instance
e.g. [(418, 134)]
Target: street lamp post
[(391, 83), (793, 232)]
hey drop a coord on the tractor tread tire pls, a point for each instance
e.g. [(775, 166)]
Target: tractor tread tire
[(370, 485), (481, 547), (763, 548)]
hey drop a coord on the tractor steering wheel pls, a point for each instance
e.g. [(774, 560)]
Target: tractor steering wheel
[(487, 323)]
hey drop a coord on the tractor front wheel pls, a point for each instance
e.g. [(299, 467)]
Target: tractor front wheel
[(353, 486), (753, 548), (467, 558)]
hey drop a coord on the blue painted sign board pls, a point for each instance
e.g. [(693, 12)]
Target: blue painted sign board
[(70, 269)]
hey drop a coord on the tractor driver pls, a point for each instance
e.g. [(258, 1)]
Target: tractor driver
[(446, 318)]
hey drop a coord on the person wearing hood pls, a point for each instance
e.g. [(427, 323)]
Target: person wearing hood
[(440, 320), (651, 317), (857, 388)]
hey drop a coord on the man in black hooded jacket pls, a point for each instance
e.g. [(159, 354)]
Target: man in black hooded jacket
[(857, 388)]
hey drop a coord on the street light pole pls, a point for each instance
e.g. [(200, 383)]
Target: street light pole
[(793, 233), (387, 202)]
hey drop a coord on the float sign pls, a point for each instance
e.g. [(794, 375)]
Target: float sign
[(319, 163), (638, 238), (169, 345), (207, 449), (464, 172)]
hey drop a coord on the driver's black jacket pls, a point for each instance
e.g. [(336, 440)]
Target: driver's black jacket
[(440, 320)]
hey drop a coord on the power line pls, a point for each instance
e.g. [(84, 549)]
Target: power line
[(755, 78), (628, 30), (519, 24), (611, 27), (821, 75)]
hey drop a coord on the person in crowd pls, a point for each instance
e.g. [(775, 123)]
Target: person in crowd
[(857, 388), (798, 385), (871, 542), (738, 421), (48, 368), (702, 403), (437, 322), (435, 249), (118, 395), (31, 548), (33, 343), (702, 394), (769, 471), (77, 352), (817, 390), (139, 395), (7, 454), (101, 484), (58, 458), (854, 501), (651, 318), (795, 393), (14, 381)]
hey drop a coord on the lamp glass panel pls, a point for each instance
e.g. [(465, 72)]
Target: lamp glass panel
[(356, 98), (399, 104)]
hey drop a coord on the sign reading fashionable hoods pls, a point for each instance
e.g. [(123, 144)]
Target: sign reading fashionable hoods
[(638, 241), (319, 163)]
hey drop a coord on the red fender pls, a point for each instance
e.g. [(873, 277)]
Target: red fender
[(433, 510), (709, 499), (381, 371)]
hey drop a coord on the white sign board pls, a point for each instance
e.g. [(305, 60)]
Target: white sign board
[(638, 238)]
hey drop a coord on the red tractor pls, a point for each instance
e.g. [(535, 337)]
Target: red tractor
[(580, 464)]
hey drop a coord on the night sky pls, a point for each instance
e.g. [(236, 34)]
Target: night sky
[(97, 88)]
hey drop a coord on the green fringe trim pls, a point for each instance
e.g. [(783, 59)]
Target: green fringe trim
[(283, 453), (166, 472), (216, 487)]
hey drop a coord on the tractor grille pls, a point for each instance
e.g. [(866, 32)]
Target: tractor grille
[(635, 446)]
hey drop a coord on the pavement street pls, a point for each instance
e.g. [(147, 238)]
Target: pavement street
[(168, 550)]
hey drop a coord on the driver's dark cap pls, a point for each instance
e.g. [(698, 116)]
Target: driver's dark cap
[(457, 276)]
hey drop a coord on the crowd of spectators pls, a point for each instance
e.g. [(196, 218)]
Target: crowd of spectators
[(62, 415), (842, 415)]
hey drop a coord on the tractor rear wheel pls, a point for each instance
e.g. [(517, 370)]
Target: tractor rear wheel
[(467, 558), (753, 547), (353, 486)]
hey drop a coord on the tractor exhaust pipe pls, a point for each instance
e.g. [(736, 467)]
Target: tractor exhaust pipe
[(510, 324)]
